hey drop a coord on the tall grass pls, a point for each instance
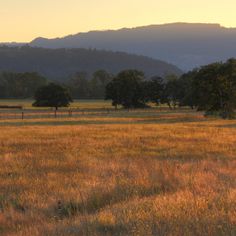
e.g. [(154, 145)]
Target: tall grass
[(169, 174)]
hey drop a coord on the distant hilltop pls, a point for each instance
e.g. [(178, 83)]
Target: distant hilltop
[(186, 45), (183, 44)]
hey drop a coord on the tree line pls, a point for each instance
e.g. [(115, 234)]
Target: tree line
[(20, 85), (210, 88), (81, 85)]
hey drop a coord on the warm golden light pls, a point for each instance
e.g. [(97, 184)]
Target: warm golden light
[(26, 19)]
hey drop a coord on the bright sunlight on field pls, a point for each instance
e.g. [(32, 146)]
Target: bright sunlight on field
[(124, 173)]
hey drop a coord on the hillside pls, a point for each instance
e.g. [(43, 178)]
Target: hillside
[(61, 63), (185, 45)]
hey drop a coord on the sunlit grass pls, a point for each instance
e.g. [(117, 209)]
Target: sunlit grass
[(124, 173)]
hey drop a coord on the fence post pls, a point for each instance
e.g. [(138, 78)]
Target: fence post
[(70, 113), (55, 114)]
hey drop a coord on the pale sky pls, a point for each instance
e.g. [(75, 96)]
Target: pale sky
[(24, 20)]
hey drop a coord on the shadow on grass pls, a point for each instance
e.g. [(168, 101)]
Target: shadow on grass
[(121, 192), (89, 228), (101, 122), (227, 126)]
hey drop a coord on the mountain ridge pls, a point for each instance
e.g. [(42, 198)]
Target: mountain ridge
[(186, 45), (216, 25)]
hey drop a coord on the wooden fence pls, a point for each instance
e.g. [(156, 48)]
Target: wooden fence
[(23, 114), (7, 114)]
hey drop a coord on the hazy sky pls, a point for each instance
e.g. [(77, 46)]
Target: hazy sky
[(23, 20)]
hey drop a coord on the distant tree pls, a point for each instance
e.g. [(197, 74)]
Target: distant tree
[(215, 88), (187, 93), (126, 89), (20, 85), (28, 83), (98, 83), (153, 89), (79, 85), (171, 92), (3, 87), (84, 86), (52, 95)]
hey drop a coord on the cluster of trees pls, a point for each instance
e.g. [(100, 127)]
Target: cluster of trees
[(81, 85), (130, 89), (214, 88), (20, 85), (211, 88)]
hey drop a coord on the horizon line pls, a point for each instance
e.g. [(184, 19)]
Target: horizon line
[(120, 28)]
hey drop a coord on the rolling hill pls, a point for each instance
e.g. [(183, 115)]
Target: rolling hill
[(61, 63)]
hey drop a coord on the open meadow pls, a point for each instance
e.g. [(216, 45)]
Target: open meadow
[(142, 172)]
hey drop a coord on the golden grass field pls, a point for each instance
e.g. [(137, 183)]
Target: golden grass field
[(137, 173)]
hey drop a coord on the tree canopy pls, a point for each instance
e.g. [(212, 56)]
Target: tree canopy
[(153, 89), (213, 88), (20, 85), (52, 95), (126, 89)]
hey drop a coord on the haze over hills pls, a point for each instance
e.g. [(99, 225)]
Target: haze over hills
[(60, 63), (183, 44)]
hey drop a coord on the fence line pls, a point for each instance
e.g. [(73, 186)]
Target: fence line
[(40, 114), (70, 113)]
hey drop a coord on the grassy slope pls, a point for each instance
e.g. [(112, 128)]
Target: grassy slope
[(122, 174)]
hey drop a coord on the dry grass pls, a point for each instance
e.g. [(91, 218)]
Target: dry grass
[(133, 174)]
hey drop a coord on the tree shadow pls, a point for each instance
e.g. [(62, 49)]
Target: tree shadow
[(58, 122), (227, 126)]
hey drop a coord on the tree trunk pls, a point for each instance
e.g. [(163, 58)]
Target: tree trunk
[(169, 105)]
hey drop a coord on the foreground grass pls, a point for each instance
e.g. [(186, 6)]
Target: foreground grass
[(120, 174)]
